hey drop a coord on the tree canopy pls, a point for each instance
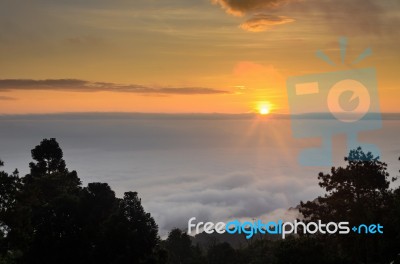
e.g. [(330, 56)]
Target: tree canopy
[(48, 217), (359, 193)]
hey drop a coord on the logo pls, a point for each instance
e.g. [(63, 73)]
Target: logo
[(249, 229), (326, 104)]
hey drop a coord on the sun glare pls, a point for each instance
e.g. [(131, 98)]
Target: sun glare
[(264, 109)]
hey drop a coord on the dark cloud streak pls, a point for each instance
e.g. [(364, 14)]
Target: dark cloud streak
[(7, 98), (74, 85), (259, 12), (240, 7)]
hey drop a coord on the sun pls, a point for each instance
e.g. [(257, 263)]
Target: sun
[(264, 109)]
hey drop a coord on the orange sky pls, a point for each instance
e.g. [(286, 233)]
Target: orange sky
[(216, 55)]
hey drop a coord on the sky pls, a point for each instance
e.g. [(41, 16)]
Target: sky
[(164, 97), (184, 56)]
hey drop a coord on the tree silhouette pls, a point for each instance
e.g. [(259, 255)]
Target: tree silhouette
[(360, 194), (221, 253), (179, 246), (47, 217), (180, 249), (9, 188), (130, 235)]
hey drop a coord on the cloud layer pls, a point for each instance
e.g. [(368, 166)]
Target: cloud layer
[(355, 17), (211, 167), (340, 16), (74, 85)]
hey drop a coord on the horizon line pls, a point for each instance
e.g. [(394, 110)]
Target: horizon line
[(317, 115)]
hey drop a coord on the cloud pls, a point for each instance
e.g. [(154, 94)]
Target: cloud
[(339, 16), (6, 98), (262, 22), (240, 7), (74, 85), (238, 194), (259, 12), (211, 167), (357, 16)]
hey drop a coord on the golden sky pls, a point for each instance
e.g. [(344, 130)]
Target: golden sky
[(202, 56)]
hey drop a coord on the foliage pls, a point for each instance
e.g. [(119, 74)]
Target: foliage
[(48, 217), (180, 249), (360, 194)]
